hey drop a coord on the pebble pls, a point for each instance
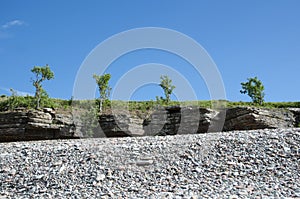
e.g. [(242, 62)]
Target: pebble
[(144, 162), (100, 177), (233, 197), (239, 164)]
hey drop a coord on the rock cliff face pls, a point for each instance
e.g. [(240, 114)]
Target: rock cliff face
[(163, 122), (189, 120), (176, 120), (115, 125), (35, 125), (296, 112), (247, 118)]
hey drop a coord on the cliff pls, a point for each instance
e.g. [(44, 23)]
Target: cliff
[(190, 120), (23, 124)]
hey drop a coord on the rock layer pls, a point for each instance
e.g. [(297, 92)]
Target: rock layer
[(296, 112), (189, 120), (35, 125), (47, 124), (247, 118)]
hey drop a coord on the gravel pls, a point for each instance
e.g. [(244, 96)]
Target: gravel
[(238, 164)]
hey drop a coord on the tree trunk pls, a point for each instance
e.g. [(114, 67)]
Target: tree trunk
[(38, 99), (37, 95), (100, 105)]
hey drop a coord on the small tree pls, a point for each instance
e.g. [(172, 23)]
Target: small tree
[(255, 89), (41, 73), (104, 88), (166, 85)]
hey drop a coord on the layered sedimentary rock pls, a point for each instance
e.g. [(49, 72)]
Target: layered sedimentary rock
[(24, 124), (115, 125), (121, 125), (164, 121), (177, 120), (296, 112), (188, 120), (247, 118)]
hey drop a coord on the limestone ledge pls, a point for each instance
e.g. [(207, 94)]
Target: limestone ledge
[(189, 120), (22, 124)]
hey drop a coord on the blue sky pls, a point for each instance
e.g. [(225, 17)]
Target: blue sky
[(244, 38)]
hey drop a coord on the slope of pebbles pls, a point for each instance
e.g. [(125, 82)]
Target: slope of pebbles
[(240, 164)]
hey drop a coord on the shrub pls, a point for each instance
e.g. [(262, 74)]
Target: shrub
[(255, 89), (166, 85)]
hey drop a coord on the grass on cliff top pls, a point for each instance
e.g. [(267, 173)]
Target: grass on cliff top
[(10, 103)]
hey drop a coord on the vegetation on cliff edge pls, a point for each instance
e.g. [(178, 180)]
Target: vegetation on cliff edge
[(29, 102)]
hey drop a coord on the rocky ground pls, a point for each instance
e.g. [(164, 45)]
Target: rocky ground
[(240, 164)]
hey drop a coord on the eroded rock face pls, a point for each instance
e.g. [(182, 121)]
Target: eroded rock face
[(32, 125), (296, 112), (248, 118), (177, 120), (115, 125), (163, 121), (121, 125), (35, 125), (188, 120)]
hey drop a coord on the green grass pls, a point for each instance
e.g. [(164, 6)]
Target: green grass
[(29, 102), (9, 103)]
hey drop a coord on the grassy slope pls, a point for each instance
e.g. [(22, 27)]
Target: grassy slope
[(65, 105)]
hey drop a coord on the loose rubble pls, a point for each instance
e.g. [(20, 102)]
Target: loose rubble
[(238, 164)]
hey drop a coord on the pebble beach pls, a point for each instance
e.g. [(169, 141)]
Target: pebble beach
[(238, 164)]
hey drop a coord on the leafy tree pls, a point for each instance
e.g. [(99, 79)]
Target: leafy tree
[(104, 88), (255, 89), (41, 73), (166, 85)]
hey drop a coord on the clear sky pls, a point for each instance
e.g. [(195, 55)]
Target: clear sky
[(244, 38)]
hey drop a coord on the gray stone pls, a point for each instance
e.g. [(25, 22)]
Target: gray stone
[(296, 112), (47, 124), (247, 118), (33, 125), (115, 125), (189, 120)]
